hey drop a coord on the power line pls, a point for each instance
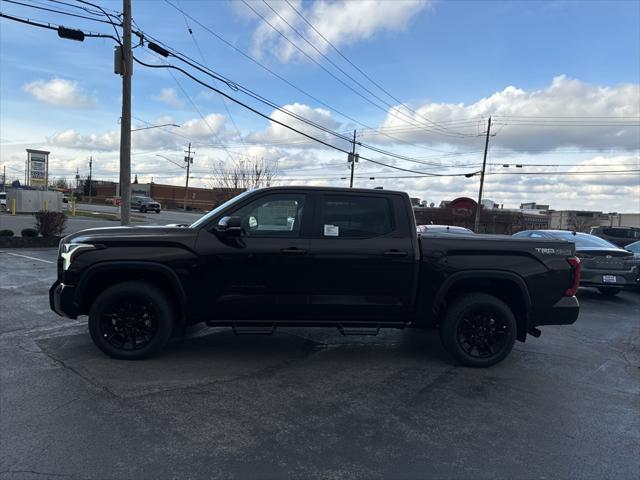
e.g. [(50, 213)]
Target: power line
[(281, 78), (52, 26), (257, 112), (204, 60), (354, 65), (336, 77), (62, 12)]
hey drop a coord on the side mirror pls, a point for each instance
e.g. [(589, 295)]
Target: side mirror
[(229, 226)]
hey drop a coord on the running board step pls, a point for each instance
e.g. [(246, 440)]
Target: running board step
[(350, 330), (253, 329)]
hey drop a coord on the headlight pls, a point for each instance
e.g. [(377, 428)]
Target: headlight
[(69, 251)]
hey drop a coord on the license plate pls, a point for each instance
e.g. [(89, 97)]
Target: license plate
[(609, 279)]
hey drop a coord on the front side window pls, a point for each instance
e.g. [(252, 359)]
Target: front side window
[(272, 215), (346, 216)]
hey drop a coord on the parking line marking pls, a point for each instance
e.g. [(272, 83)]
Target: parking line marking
[(30, 258)]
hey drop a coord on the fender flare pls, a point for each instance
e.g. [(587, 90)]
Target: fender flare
[(168, 273), (450, 281)]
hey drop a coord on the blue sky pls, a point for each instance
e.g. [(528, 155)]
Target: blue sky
[(452, 61)]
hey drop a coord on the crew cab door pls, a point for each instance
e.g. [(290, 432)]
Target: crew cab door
[(262, 274), (364, 257)]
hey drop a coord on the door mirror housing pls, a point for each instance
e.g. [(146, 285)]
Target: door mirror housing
[(229, 226)]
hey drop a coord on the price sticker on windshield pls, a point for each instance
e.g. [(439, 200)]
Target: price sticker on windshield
[(331, 230)]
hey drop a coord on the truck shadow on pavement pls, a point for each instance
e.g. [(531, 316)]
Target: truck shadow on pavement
[(220, 356)]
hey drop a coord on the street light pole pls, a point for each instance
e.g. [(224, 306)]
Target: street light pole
[(484, 165), (125, 124)]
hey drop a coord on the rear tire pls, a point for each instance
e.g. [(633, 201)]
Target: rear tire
[(609, 291), (131, 320), (478, 330)]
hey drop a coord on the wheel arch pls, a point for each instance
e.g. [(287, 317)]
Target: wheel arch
[(506, 286), (101, 276)]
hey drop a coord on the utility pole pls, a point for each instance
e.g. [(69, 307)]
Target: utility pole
[(77, 180), (90, 176), (189, 160), (484, 165), (125, 121), (353, 158)]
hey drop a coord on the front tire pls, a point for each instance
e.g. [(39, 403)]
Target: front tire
[(609, 291), (157, 210), (143, 209), (131, 320), (478, 330)]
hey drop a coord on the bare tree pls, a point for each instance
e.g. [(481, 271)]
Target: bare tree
[(238, 175), (61, 183), (582, 224)]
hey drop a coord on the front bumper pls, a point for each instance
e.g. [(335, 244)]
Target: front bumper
[(594, 278), (62, 300), (564, 312)]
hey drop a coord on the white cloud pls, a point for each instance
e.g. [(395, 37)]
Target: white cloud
[(563, 98), (168, 96), (59, 92), (277, 133), (340, 22), (73, 139), (211, 126)]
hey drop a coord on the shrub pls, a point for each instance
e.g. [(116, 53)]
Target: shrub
[(49, 224), (6, 233), (29, 232)]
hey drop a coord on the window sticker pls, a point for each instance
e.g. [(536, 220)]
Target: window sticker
[(331, 230)]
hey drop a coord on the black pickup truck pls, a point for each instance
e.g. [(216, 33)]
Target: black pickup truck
[(305, 256)]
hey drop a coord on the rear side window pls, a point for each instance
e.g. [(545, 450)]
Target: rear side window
[(346, 216)]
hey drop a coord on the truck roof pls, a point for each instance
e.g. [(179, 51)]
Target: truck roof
[(333, 189)]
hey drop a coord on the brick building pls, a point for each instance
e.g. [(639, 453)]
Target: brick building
[(169, 196)]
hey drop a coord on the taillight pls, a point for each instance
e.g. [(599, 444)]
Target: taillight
[(575, 266)]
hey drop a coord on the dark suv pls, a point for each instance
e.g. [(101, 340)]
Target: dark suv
[(145, 204), (621, 236)]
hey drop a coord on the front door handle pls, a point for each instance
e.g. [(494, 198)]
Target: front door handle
[(395, 253), (293, 251)]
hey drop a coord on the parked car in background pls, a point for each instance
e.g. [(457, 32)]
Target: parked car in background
[(3, 200), (619, 236), (443, 229), (635, 249), (604, 265), (145, 204)]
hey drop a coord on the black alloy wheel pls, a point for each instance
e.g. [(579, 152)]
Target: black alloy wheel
[(482, 333), (478, 329), (129, 324), (131, 320)]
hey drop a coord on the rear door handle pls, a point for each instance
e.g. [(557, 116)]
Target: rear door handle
[(395, 253), (293, 251)]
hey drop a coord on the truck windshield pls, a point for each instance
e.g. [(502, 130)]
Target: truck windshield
[(204, 219)]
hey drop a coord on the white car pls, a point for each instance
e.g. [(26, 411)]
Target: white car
[(3, 200)]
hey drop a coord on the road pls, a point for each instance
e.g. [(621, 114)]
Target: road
[(309, 403), (19, 222)]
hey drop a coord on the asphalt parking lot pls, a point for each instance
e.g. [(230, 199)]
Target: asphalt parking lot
[(309, 403)]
